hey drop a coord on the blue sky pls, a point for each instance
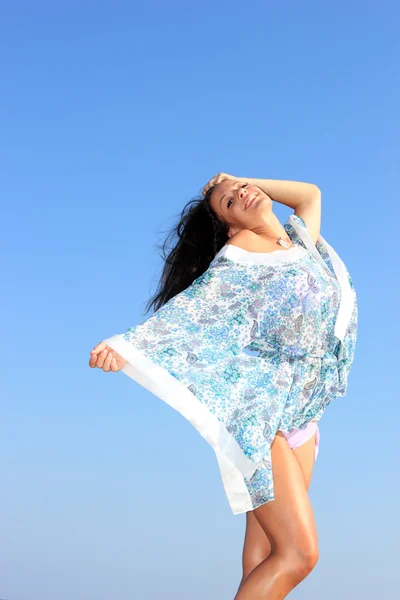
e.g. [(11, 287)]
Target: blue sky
[(113, 116)]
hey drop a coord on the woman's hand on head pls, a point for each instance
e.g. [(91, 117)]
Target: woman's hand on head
[(217, 179), (104, 357)]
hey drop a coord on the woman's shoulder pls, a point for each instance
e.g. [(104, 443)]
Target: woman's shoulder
[(242, 239)]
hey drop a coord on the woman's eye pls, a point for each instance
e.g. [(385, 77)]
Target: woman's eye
[(230, 199)]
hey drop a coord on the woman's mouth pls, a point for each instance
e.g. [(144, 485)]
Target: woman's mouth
[(249, 201)]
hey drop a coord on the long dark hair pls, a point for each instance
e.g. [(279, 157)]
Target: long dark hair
[(201, 233)]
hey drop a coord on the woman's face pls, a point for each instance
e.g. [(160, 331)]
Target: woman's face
[(230, 200)]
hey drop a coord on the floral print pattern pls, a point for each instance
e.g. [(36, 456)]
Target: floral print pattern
[(283, 309)]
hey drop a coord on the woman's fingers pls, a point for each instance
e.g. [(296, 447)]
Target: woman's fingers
[(93, 361), (104, 357), (107, 362), (98, 348), (101, 358), (215, 180), (209, 184), (212, 182)]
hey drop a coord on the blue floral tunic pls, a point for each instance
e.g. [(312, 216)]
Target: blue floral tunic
[(295, 309)]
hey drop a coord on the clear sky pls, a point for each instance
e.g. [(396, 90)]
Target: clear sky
[(113, 116)]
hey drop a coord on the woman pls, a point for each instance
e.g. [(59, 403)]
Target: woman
[(238, 280)]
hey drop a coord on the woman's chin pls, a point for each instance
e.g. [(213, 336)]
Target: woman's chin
[(262, 205)]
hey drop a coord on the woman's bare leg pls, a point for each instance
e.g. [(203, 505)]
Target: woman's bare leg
[(288, 522), (256, 546)]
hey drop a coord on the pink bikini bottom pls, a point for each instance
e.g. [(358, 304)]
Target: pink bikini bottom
[(296, 437)]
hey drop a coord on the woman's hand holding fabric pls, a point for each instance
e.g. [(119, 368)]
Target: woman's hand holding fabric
[(104, 357)]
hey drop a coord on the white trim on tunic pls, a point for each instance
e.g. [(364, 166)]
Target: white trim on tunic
[(233, 463)]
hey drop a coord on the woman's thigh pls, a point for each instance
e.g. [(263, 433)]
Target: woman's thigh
[(288, 520), (306, 455), (257, 545)]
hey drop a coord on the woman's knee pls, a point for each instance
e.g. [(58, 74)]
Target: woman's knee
[(256, 547), (300, 561)]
